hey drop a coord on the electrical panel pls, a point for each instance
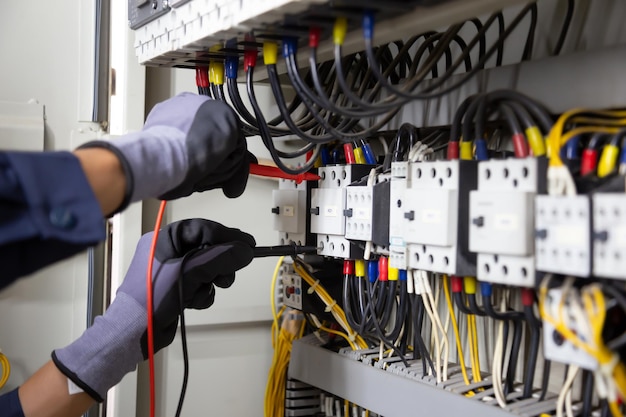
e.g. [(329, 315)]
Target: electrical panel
[(501, 219)]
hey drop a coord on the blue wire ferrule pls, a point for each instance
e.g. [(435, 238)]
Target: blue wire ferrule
[(482, 154), (368, 25), (486, 289), (402, 275), (571, 149), (325, 155), (372, 271), (369, 154), (335, 156), (290, 46), (231, 66)]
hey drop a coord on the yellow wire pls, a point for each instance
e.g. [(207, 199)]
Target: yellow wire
[(6, 369), (614, 407), (337, 311), (455, 327), (346, 408), (341, 334)]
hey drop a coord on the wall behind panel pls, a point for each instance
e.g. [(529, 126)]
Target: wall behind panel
[(48, 44)]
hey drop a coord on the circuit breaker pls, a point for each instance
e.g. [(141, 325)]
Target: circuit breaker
[(501, 219), (609, 235), (433, 216), (563, 234)]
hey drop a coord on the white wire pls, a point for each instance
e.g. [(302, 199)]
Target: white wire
[(567, 387), (498, 353), (560, 181), (428, 307), (445, 348), (383, 142)]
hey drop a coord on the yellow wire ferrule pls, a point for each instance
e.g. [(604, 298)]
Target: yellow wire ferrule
[(607, 161), (469, 284), (392, 274), (466, 150), (270, 53), (359, 268), (216, 73), (339, 30), (536, 141), (359, 156)]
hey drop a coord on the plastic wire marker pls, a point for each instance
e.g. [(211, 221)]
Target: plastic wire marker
[(273, 172)]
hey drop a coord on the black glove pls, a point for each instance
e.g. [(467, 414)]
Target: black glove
[(197, 254)]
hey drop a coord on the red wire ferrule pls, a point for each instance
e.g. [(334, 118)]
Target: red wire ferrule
[(249, 58), (457, 283), (383, 269), (349, 153), (528, 297), (274, 172), (589, 161), (314, 36), (520, 145), (453, 150), (348, 267)]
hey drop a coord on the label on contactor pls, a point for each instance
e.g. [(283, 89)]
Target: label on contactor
[(331, 211), (288, 211)]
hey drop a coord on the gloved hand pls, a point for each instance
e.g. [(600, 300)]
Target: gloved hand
[(189, 143), (202, 253)]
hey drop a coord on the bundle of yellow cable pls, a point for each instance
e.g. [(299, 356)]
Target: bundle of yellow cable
[(331, 305), (585, 122), (611, 370), (6, 369)]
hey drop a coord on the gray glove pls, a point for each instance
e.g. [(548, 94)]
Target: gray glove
[(189, 143), (195, 255)]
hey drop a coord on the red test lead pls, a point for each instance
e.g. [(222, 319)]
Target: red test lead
[(273, 172)]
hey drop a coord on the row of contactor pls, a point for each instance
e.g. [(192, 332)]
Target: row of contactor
[(490, 219)]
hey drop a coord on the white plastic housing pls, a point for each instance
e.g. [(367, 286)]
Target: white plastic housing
[(609, 233), (359, 202)]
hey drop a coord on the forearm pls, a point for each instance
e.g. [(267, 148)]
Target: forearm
[(46, 394), (105, 176)]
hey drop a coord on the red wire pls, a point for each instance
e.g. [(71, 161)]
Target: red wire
[(150, 306)]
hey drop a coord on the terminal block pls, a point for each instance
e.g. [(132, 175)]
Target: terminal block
[(434, 216), (400, 180), (609, 235), (563, 235), (328, 205), (501, 221)]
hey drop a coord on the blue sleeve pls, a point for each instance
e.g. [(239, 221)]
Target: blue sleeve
[(48, 211), (10, 405)]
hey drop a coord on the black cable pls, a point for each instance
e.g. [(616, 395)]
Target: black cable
[(530, 39), (266, 135), (545, 379), (567, 21), (587, 396), (531, 362), (183, 338)]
